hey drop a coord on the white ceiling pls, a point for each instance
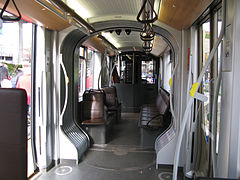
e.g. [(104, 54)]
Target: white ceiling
[(90, 9), (96, 8), (129, 42)]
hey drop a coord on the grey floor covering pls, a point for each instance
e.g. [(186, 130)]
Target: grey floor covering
[(121, 159)]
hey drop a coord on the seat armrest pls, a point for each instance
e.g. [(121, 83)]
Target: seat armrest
[(91, 122)]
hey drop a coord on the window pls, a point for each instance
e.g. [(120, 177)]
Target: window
[(147, 72), (90, 69), (166, 69), (206, 77), (219, 56)]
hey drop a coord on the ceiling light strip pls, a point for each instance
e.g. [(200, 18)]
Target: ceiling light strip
[(54, 9), (73, 14)]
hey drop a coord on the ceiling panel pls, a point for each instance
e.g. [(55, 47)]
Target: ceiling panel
[(129, 42), (159, 45), (181, 14), (124, 40), (97, 8)]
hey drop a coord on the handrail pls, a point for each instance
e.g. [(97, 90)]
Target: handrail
[(18, 18), (215, 104), (66, 89), (53, 8), (142, 10)]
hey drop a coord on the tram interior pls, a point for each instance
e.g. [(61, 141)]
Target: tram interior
[(140, 89)]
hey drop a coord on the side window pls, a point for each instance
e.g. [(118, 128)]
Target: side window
[(147, 72), (166, 69), (206, 78), (207, 37), (90, 69), (81, 73), (219, 56)]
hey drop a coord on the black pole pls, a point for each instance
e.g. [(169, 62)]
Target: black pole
[(33, 96)]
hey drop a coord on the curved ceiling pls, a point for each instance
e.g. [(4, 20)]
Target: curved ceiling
[(179, 14), (132, 42)]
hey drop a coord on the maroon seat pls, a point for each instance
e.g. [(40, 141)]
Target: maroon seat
[(154, 119), (13, 134), (111, 101), (92, 107), (93, 116), (153, 115)]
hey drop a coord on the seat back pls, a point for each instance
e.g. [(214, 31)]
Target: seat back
[(13, 134), (163, 102), (93, 105), (110, 96), (93, 95)]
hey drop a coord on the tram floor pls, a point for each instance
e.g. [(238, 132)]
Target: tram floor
[(122, 158)]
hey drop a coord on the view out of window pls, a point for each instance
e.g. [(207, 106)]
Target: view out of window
[(123, 66), (206, 77), (81, 72), (147, 72), (90, 69), (219, 16)]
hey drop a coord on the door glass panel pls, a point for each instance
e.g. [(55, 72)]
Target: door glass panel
[(206, 77), (219, 15)]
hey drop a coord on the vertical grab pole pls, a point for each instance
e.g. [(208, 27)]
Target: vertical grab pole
[(33, 95), (214, 118)]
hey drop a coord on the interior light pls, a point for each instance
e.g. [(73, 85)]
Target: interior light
[(128, 31), (118, 31), (79, 9), (110, 38)]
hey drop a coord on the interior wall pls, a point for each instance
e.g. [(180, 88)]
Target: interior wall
[(228, 162)]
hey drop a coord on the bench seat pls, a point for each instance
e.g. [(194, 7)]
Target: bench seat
[(97, 113), (153, 118)]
